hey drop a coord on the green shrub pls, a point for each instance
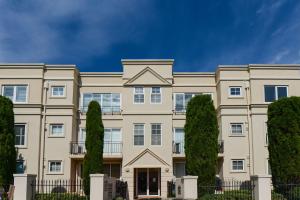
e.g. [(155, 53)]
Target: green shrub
[(93, 159), (284, 139), (201, 141), (61, 196), (276, 196), (294, 193), (229, 195)]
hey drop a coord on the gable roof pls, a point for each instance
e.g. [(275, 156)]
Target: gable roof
[(163, 81), (147, 152)]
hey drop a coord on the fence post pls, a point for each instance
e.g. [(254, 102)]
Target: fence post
[(262, 187), (96, 186), (190, 189), (23, 189)]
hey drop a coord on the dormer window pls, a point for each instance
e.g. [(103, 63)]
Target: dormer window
[(139, 95)]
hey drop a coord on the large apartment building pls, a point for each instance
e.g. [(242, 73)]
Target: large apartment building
[(143, 111)]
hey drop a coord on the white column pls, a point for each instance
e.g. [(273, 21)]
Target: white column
[(262, 187), (23, 188), (190, 189), (96, 186)]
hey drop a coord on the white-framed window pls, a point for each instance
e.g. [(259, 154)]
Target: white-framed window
[(266, 134), (179, 169), (237, 164), (178, 143), (58, 91), (57, 130), (55, 167), (20, 135), (16, 93), (139, 95), (112, 140), (138, 134), (182, 100), (156, 134), (269, 171), (110, 102), (155, 95), (235, 91), (275, 92), (236, 128)]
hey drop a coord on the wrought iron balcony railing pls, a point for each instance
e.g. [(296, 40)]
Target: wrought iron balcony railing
[(106, 110), (178, 147), (110, 148)]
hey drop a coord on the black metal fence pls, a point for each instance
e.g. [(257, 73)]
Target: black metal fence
[(121, 189), (286, 191), (58, 190), (171, 189), (228, 190)]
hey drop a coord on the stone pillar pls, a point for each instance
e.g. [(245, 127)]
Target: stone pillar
[(23, 189), (96, 186), (190, 189), (262, 187)]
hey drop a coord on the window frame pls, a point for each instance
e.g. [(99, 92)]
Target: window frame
[(14, 98), (138, 145), (237, 170), (276, 92), (160, 95), (84, 108), (235, 87), (237, 134), (25, 135), (51, 130), (160, 124), (58, 86), (134, 93), (55, 172)]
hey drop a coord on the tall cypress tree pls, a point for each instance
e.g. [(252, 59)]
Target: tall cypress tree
[(201, 140), (93, 160), (284, 140), (8, 153)]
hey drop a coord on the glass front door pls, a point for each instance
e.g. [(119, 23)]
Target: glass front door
[(148, 182)]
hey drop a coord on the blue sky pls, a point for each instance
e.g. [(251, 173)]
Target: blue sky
[(96, 34)]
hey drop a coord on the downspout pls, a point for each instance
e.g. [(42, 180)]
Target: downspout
[(46, 85), (41, 127)]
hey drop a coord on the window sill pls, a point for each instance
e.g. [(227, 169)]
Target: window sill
[(52, 136), (57, 97), (233, 172), (235, 97), (237, 135), (55, 173), (21, 147)]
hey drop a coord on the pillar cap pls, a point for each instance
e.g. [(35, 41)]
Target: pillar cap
[(24, 175), (96, 175), (261, 176), (190, 177)]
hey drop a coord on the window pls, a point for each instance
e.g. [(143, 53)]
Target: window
[(55, 167), (235, 91), (16, 93), (112, 170), (155, 95), (266, 132), (155, 134), (237, 165), (110, 102), (112, 140), (179, 169), (273, 93), (139, 134), (236, 128), (20, 167), (20, 132), (56, 130), (178, 147), (58, 91), (182, 99), (139, 95), (269, 172)]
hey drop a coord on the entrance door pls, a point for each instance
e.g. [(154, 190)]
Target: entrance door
[(147, 182)]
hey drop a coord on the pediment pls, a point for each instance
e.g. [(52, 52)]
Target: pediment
[(147, 158), (147, 77)]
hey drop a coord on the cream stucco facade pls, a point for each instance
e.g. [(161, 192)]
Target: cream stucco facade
[(143, 114)]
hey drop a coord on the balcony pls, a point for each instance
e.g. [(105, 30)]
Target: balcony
[(181, 110), (178, 147), (106, 110), (110, 149)]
